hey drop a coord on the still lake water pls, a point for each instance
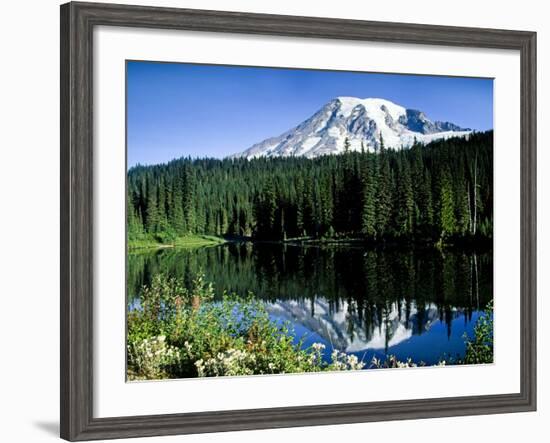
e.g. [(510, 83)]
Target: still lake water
[(360, 301)]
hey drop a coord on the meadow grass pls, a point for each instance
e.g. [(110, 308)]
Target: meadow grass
[(187, 241)]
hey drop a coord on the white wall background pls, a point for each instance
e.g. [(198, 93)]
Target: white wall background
[(29, 220)]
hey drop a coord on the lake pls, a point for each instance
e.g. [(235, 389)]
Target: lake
[(411, 304)]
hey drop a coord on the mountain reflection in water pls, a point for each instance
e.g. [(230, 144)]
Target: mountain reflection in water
[(363, 302), (395, 334)]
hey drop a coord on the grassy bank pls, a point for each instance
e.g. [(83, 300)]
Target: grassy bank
[(188, 241), (181, 333)]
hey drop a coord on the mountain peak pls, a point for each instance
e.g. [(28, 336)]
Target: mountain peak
[(360, 120), (371, 103)]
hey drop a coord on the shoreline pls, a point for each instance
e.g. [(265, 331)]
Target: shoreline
[(203, 240), (191, 241)]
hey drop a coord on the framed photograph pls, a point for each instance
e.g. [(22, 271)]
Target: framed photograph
[(273, 221)]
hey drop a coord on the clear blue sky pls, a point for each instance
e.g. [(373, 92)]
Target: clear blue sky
[(177, 109)]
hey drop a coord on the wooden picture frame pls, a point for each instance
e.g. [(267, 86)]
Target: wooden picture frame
[(77, 23)]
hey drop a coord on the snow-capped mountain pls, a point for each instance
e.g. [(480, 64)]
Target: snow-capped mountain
[(361, 121)]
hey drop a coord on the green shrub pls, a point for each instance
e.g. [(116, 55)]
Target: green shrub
[(152, 358), (480, 348), (178, 333)]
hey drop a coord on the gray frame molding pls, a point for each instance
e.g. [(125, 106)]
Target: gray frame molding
[(77, 23)]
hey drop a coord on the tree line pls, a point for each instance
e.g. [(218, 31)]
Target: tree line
[(438, 191)]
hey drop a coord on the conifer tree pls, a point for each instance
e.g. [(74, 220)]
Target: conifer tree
[(176, 209), (368, 213), (447, 218), (383, 192), (188, 201), (151, 207), (346, 145), (404, 202)]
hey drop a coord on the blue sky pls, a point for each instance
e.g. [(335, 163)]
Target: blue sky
[(178, 109)]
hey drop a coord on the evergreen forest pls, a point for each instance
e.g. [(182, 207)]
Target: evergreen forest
[(439, 192)]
